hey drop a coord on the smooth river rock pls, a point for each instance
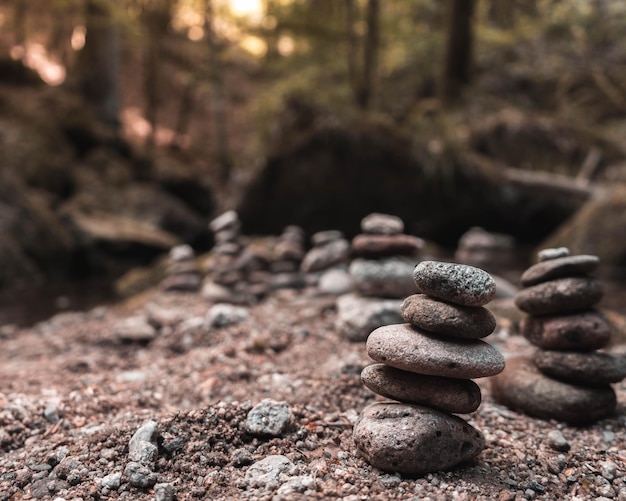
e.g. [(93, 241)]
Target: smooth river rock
[(581, 368), (407, 348), (568, 266), (389, 277), (586, 331), (382, 224), (561, 295), (448, 394), (358, 316), (455, 283), (433, 315), (522, 387), (414, 440), (386, 245)]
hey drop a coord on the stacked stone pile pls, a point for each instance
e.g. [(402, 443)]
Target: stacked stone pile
[(426, 366), (289, 251), (380, 274), (566, 378), (182, 273), (329, 249)]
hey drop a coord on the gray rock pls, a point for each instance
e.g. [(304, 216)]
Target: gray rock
[(336, 282), (218, 293), (373, 246), (112, 481), (181, 253), (433, 315), (568, 266), (523, 388), (269, 417), (586, 331), (323, 257), (455, 283), (228, 220), (223, 315), (383, 278), (557, 441), (562, 295), (139, 475), (414, 440), (547, 254), (164, 492), (143, 447), (357, 316), (382, 224), (269, 472), (135, 330), (404, 347), (582, 368), (447, 394)]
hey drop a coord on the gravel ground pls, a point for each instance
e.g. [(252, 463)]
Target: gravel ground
[(74, 390)]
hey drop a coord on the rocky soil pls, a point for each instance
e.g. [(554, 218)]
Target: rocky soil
[(74, 389)]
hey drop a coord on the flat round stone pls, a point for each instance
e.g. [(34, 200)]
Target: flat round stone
[(455, 283), (582, 368), (433, 315), (522, 387), (382, 224), (448, 394), (585, 331), (414, 440), (547, 254), (404, 347), (386, 245), (560, 296), (569, 266)]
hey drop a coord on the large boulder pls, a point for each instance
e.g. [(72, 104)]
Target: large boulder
[(331, 173)]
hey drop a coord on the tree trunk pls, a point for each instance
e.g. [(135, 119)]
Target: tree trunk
[(370, 55), (219, 99), (459, 47), (98, 65)]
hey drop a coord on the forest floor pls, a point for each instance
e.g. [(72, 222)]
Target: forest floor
[(72, 394)]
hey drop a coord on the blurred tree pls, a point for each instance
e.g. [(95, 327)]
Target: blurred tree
[(502, 13), (457, 64)]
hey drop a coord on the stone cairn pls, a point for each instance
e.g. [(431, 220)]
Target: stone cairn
[(182, 273), (426, 366), (566, 378), (384, 258), (289, 251)]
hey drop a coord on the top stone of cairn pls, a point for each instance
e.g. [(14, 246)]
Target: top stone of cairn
[(454, 283), (382, 224)]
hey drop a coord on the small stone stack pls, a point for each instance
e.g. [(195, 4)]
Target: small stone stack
[(385, 257), (289, 251), (426, 366), (566, 378), (330, 249), (182, 273)]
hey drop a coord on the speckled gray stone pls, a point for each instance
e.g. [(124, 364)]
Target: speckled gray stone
[(561, 295), (569, 266), (443, 393), (433, 315), (269, 417), (456, 283), (522, 387), (387, 278), (382, 224), (414, 440), (547, 254), (404, 347), (581, 368), (585, 331)]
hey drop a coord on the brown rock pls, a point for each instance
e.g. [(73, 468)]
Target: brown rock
[(447, 394), (386, 245), (382, 224), (414, 440), (523, 388), (586, 331), (583, 368), (439, 317), (560, 296), (404, 347), (568, 266)]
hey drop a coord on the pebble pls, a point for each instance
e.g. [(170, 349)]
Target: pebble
[(135, 330), (455, 283), (371, 246), (228, 220), (325, 237), (522, 387), (142, 446), (164, 492), (139, 475), (448, 394), (112, 481), (406, 348), (437, 316), (223, 315), (358, 316), (382, 224), (180, 253), (586, 331), (561, 295), (384, 278), (323, 257), (269, 417), (569, 266), (336, 282), (582, 368), (557, 441), (414, 440), (269, 472), (547, 254)]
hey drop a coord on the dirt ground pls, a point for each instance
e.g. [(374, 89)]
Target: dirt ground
[(72, 394)]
